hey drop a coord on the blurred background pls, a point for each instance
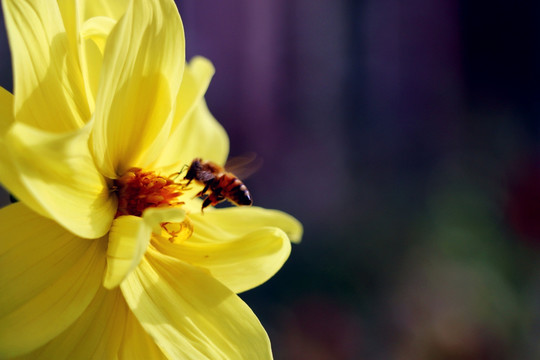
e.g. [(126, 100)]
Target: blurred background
[(405, 137)]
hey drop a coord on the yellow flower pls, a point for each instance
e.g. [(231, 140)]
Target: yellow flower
[(103, 105)]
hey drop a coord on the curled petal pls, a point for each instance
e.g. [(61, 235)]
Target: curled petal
[(76, 13), (11, 181), (59, 172), (47, 279), (229, 223), (49, 88), (128, 239), (241, 246), (97, 29), (205, 320), (9, 176), (140, 76), (241, 264), (93, 35)]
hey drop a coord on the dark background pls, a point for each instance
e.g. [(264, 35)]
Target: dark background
[(405, 137)]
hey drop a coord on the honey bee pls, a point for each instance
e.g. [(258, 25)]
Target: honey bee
[(219, 184)]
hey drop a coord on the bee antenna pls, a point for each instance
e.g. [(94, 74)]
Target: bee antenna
[(183, 168), (177, 174)]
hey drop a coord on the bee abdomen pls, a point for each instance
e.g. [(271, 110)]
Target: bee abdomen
[(243, 196), (239, 193)]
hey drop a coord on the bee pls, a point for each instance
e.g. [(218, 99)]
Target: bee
[(219, 184)]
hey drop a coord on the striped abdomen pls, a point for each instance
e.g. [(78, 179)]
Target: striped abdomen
[(233, 189)]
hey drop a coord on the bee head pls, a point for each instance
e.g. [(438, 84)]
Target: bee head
[(194, 169)]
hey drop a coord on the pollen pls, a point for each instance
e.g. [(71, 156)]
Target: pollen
[(178, 232), (138, 190)]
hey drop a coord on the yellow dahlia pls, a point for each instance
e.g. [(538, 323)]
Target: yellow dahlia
[(106, 255)]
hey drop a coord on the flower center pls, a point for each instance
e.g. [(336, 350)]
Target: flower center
[(138, 190)]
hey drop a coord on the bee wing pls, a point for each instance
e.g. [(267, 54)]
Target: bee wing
[(205, 176), (244, 166)]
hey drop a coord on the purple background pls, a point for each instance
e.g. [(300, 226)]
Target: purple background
[(405, 137)]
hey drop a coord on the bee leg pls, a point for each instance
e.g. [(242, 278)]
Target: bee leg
[(219, 198), (212, 199), (205, 203), (202, 192)]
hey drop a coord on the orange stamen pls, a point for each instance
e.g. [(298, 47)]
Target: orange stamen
[(138, 190)]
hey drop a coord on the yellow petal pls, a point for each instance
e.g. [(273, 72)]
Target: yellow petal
[(200, 135), (197, 75), (6, 111), (106, 330), (137, 344), (94, 34), (96, 334), (229, 223), (76, 13), (205, 320), (128, 239), (58, 170), (48, 86), (241, 246), (97, 29), (113, 9), (11, 181), (8, 172), (195, 131), (88, 24), (241, 264), (69, 11), (47, 279), (141, 73)]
